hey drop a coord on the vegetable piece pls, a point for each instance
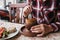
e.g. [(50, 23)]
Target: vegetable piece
[(5, 34)]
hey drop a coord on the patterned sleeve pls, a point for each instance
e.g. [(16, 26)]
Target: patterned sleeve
[(56, 26), (49, 20)]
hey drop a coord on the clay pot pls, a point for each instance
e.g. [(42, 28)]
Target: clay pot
[(26, 32)]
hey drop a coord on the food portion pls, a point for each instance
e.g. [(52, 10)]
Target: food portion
[(30, 22), (4, 32), (11, 29)]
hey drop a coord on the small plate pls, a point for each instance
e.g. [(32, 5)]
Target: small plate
[(11, 34)]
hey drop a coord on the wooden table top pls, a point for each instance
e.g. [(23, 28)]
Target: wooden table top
[(52, 36)]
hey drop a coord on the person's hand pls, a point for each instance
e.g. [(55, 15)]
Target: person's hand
[(42, 29), (27, 10)]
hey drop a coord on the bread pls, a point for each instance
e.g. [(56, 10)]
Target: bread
[(11, 29), (30, 22)]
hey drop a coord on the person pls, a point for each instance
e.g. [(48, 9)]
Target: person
[(44, 11)]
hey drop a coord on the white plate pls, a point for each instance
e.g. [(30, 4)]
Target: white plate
[(12, 34)]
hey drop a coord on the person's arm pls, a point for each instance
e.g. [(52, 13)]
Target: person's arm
[(27, 10), (42, 29)]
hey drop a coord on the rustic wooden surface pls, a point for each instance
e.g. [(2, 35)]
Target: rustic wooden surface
[(51, 36)]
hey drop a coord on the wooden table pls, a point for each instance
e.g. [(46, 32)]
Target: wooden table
[(52, 36)]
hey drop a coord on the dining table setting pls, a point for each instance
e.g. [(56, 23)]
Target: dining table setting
[(16, 35)]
